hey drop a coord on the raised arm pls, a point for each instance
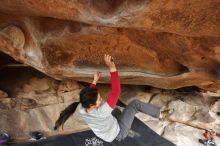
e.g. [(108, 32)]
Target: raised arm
[(115, 82), (95, 80)]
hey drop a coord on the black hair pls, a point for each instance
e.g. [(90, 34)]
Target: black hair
[(88, 97)]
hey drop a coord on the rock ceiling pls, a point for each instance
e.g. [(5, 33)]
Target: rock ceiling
[(163, 43)]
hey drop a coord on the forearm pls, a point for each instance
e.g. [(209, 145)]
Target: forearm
[(112, 68), (116, 89), (94, 82)]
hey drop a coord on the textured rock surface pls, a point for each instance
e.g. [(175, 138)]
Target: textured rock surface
[(35, 101), (183, 135), (163, 43), (41, 119)]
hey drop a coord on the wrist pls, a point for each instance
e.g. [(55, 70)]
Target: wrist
[(94, 82), (112, 69)]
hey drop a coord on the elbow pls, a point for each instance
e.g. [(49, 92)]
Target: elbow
[(119, 89), (118, 93)]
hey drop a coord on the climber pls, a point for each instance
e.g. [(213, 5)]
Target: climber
[(209, 135), (98, 114)]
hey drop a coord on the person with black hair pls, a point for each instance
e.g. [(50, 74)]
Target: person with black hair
[(98, 113)]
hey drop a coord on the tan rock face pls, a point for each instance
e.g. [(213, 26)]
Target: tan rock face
[(183, 135), (165, 44), (3, 94), (35, 101)]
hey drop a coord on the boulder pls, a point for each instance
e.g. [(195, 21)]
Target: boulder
[(165, 44)]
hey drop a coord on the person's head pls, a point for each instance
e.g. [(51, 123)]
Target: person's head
[(90, 97)]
